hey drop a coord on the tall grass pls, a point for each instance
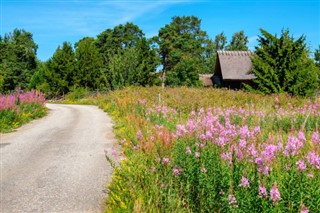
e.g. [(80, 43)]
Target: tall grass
[(19, 108), (209, 150)]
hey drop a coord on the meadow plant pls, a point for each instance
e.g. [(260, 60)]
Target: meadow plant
[(210, 150), (20, 107)]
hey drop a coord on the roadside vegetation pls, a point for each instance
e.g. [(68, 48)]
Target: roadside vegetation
[(213, 150), (19, 108)]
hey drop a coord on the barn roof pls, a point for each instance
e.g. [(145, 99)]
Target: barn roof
[(206, 79), (234, 65)]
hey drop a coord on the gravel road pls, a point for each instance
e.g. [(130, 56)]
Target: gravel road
[(57, 163)]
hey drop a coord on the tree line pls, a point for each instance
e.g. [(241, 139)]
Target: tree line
[(123, 56)]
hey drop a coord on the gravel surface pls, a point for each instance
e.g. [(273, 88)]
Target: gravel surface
[(57, 163)]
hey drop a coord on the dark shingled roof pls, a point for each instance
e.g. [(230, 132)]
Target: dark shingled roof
[(234, 65)]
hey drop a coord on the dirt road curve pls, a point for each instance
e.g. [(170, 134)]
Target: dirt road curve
[(57, 163)]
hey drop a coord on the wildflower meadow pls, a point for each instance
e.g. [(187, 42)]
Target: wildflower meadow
[(210, 150), (20, 107)]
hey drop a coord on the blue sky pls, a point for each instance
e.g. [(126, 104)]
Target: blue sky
[(54, 21)]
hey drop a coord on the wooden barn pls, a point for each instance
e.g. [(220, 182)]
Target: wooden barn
[(232, 69), (206, 79)]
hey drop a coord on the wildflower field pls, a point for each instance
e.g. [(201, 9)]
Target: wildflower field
[(210, 150), (19, 108)]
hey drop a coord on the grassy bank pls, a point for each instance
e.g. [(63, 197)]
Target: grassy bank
[(208, 150), (19, 108)]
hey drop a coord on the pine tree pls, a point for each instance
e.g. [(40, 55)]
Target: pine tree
[(282, 65)]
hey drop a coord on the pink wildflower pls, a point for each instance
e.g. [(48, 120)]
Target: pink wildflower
[(315, 138), (262, 191), (176, 171), (274, 193), (301, 166), (197, 154), (232, 201), (304, 209), (188, 150), (166, 160), (139, 135), (314, 160), (244, 182)]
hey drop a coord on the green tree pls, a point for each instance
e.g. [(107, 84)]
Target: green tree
[(18, 55), (182, 43), (282, 65), (88, 64), (220, 41), (239, 41), (128, 58), (60, 70), (317, 56)]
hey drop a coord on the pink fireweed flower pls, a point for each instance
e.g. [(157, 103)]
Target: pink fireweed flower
[(304, 209), (181, 130), (197, 154), (188, 150), (244, 182), (139, 135), (315, 138), (301, 136), (262, 192), (310, 175), (176, 171), (269, 152), (242, 143), (165, 161), (274, 193), (314, 160), (301, 166), (232, 201), (227, 157), (292, 147)]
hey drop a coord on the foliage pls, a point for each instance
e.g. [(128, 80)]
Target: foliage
[(60, 69), (19, 108), (238, 42), (282, 65), (182, 44), (17, 59), (128, 57), (210, 150), (317, 56), (88, 64)]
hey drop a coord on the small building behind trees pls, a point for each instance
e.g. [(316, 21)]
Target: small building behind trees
[(232, 69)]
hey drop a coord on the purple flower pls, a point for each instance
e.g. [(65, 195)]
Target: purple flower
[(181, 130), (262, 191), (244, 182), (166, 160), (176, 171), (269, 152), (301, 136), (301, 166), (304, 209), (292, 147), (314, 160), (139, 135), (310, 175), (197, 154), (188, 150), (274, 193), (315, 137), (232, 201)]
